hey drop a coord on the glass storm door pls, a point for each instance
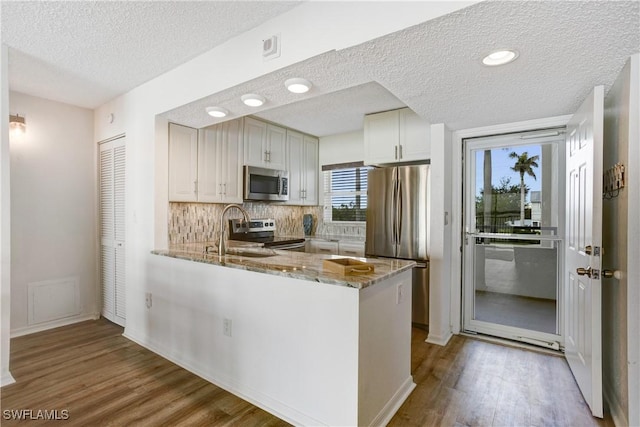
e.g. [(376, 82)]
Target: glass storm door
[(514, 207)]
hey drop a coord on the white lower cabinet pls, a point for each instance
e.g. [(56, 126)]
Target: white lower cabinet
[(324, 247), (335, 247), (351, 249)]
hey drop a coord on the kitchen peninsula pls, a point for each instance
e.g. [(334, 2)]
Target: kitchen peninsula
[(310, 346)]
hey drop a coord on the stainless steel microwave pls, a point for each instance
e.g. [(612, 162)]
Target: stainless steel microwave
[(265, 184)]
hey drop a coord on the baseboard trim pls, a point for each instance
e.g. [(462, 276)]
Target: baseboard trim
[(27, 330), (254, 397), (384, 416), (438, 339), (6, 379), (615, 409)]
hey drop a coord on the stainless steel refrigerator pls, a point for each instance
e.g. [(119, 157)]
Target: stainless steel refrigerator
[(398, 225)]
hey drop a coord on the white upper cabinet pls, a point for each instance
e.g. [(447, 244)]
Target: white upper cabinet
[(415, 137), (395, 136), (220, 163), (303, 169), (206, 165), (311, 171), (264, 144), (381, 137), (183, 163)]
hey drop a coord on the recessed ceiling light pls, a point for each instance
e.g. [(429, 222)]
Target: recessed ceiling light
[(500, 57), (217, 112), (253, 100), (298, 85)]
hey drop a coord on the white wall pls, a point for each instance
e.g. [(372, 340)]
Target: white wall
[(439, 236), (620, 229), (53, 209), (341, 148), (5, 224)]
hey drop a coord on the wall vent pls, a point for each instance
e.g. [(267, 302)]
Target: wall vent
[(271, 47), (53, 299)]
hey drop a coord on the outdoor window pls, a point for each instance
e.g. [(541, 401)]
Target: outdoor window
[(345, 192)]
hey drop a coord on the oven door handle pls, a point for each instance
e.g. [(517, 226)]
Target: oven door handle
[(288, 246)]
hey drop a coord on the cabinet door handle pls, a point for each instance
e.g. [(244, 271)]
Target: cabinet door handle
[(400, 157), (225, 188), (304, 194), (219, 188), (265, 156), (395, 156), (269, 156)]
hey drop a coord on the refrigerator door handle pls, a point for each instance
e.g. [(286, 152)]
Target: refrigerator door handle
[(394, 221), (399, 212)]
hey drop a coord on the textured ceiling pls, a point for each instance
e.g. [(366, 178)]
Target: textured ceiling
[(87, 52), (566, 48)]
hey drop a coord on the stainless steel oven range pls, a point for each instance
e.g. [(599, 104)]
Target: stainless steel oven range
[(263, 231)]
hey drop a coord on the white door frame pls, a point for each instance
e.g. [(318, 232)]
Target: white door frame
[(457, 181)]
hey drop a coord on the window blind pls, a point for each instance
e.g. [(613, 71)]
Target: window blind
[(345, 194)]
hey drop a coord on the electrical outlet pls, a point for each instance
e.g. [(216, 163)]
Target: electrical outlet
[(400, 293), (148, 299), (226, 327)]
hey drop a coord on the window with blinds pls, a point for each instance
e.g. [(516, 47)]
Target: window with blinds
[(345, 193)]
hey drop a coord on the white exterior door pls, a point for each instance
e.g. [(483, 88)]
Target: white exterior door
[(112, 229), (583, 293)]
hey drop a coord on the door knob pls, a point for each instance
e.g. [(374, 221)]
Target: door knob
[(584, 271), (608, 274)]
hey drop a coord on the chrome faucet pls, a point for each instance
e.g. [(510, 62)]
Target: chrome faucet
[(222, 250)]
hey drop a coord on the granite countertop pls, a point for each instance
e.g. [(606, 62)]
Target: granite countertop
[(297, 265)]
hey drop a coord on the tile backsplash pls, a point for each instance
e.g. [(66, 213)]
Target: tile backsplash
[(200, 222)]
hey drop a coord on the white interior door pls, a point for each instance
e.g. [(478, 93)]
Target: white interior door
[(583, 323), (112, 229)]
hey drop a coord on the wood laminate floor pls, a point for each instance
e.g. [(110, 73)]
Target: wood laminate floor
[(102, 379)]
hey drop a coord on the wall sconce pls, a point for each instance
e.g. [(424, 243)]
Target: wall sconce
[(17, 124)]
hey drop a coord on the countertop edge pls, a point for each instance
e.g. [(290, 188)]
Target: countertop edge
[(310, 275)]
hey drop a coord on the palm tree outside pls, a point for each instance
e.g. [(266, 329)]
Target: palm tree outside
[(524, 165)]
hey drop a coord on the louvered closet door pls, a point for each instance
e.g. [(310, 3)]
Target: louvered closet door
[(112, 230)]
